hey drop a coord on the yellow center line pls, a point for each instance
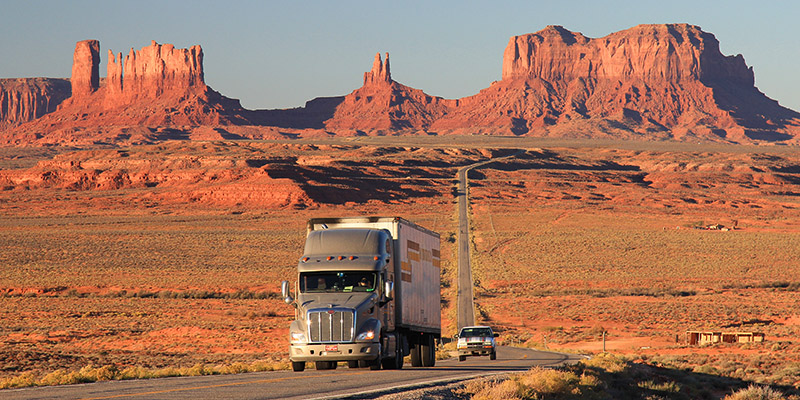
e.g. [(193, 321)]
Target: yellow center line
[(117, 396)]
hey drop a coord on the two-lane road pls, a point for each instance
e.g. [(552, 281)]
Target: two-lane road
[(311, 384), (464, 299)]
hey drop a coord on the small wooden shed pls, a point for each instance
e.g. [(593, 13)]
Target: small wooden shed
[(711, 337)]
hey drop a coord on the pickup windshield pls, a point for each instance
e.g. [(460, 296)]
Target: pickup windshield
[(472, 332), (330, 282)]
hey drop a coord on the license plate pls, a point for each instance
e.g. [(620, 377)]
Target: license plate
[(332, 347)]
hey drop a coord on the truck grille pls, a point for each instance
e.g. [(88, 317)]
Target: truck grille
[(333, 325)]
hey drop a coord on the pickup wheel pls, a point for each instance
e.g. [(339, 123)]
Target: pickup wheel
[(462, 358), (298, 366), (493, 356)]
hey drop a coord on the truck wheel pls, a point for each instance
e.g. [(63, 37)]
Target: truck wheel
[(298, 366), (375, 364), (493, 356), (416, 355), (462, 358), (352, 364), (395, 362), (428, 350)]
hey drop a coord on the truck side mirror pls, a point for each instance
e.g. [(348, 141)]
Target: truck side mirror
[(496, 335), (287, 298)]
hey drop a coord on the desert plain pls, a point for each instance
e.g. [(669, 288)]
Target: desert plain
[(171, 254)]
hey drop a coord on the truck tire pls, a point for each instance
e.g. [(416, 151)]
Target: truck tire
[(462, 358), (416, 355), (395, 362), (375, 364), (298, 366), (428, 350), (352, 364), (493, 356)]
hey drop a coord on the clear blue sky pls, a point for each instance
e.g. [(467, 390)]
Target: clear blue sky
[(279, 54)]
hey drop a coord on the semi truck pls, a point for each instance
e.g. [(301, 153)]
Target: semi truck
[(367, 293)]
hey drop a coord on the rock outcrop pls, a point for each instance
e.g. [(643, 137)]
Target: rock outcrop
[(25, 99)]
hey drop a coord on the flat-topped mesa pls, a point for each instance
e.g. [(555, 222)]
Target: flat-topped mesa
[(85, 68), (380, 73), (650, 53), (154, 70)]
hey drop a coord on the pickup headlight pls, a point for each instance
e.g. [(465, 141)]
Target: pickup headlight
[(462, 344), (365, 336), (298, 337)]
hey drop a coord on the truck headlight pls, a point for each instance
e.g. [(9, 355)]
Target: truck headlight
[(462, 344), (365, 336), (298, 337)]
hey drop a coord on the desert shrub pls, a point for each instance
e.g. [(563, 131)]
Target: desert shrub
[(606, 362), (548, 381), (537, 383), (23, 380), (755, 392)]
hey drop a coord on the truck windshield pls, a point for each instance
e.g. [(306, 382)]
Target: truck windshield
[(349, 281)]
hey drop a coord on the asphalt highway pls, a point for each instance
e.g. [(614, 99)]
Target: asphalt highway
[(341, 383)]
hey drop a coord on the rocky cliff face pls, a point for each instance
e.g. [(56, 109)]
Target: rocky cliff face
[(649, 53), (154, 71), (665, 81), (25, 99)]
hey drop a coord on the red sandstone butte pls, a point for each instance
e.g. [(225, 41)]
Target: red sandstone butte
[(158, 85), (383, 104), (650, 79)]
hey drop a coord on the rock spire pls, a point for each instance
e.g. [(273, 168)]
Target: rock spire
[(380, 73), (85, 67)]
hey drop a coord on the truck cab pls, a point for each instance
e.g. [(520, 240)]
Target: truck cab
[(346, 305)]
